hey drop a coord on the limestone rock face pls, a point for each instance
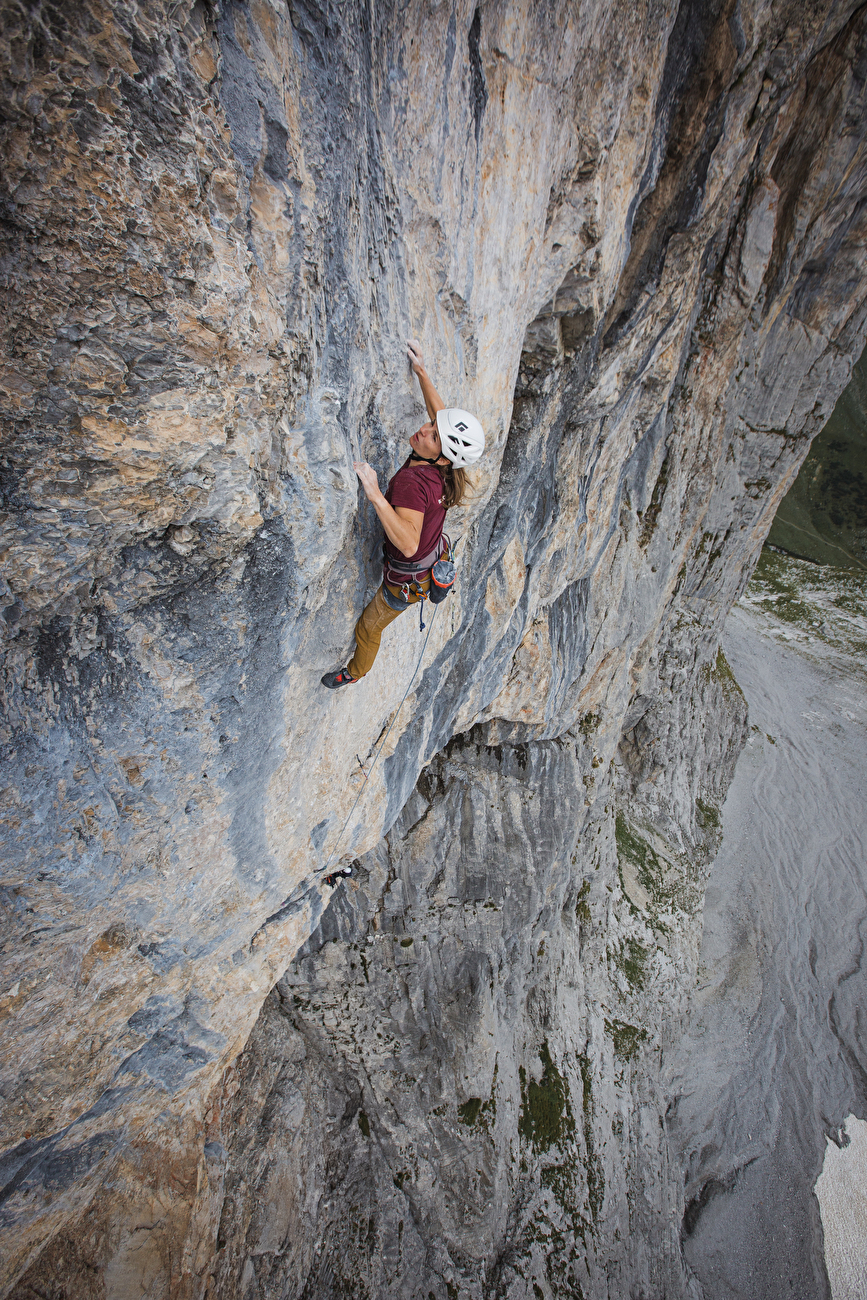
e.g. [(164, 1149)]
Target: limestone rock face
[(823, 516), (630, 238), (470, 1041)]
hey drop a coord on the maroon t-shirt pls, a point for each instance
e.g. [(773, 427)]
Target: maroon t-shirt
[(418, 487)]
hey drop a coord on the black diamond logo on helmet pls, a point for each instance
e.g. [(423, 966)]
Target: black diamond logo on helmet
[(461, 426)]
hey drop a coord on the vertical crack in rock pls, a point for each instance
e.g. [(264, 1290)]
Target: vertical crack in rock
[(700, 61), (478, 89)]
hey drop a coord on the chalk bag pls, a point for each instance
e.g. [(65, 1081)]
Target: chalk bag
[(442, 578)]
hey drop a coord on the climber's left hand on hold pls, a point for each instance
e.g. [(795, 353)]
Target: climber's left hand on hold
[(414, 356), (369, 481), (402, 526)]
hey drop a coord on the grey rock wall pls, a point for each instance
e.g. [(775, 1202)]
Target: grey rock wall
[(771, 1063), (470, 1041), (823, 516), (629, 238)]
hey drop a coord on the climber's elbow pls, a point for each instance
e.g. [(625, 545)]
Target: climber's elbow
[(404, 530), (408, 544)]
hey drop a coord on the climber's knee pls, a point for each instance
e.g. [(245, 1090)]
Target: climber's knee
[(368, 633)]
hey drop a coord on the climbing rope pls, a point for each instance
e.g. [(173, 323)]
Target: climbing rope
[(429, 626), (297, 898), (381, 744)]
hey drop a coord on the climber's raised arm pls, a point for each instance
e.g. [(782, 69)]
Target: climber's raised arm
[(412, 511), (432, 399)]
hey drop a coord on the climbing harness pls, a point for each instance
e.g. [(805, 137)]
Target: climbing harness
[(403, 572), (438, 564)]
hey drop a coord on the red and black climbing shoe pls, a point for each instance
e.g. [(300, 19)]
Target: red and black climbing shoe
[(340, 678), (334, 877)]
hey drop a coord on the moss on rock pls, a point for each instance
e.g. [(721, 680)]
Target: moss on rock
[(546, 1115)]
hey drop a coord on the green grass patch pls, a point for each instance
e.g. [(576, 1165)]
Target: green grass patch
[(626, 1039), (648, 865), (546, 1117), (469, 1112), (631, 959), (823, 603), (668, 886), (707, 816), (721, 672), (823, 517), (651, 514), (592, 1164), (478, 1112)]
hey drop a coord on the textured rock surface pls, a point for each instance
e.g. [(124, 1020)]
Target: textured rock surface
[(634, 248), (823, 516), (470, 1041), (840, 1190), (773, 1058)]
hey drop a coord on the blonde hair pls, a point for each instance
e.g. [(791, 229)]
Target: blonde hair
[(457, 484)]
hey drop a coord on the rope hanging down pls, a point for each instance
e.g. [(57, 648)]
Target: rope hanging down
[(296, 899), (381, 744), (367, 774)]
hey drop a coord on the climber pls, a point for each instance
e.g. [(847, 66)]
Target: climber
[(412, 512)]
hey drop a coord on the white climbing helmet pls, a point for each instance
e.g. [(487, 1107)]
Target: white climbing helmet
[(461, 435)]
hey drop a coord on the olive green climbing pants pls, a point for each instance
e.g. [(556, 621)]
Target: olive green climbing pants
[(370, 627)]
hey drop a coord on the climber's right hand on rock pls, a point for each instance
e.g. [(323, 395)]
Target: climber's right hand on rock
[(413, 352), (369, 481)]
